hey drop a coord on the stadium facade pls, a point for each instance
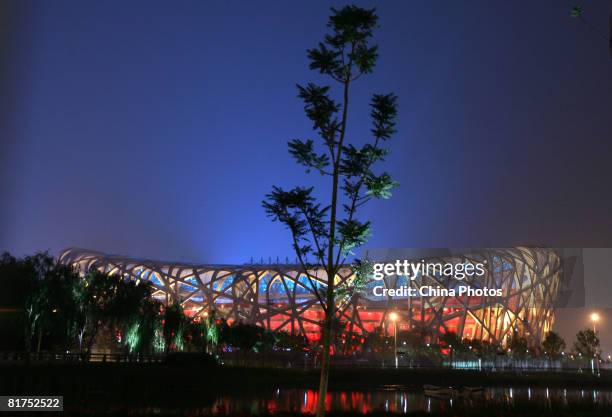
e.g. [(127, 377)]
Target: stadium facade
[(281, 297)]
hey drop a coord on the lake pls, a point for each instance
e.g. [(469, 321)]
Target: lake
[(397, 399)]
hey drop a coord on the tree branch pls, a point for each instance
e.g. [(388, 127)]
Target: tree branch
[(354, 206), (305, 268)]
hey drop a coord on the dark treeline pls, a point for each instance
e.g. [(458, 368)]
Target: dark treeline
[(48, 306)]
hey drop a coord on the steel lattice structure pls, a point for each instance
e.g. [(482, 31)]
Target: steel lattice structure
[(280, 297)]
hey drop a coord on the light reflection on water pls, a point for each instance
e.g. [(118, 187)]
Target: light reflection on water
[(396, 400)]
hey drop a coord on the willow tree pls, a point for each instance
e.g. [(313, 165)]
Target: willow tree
[(324, 234)]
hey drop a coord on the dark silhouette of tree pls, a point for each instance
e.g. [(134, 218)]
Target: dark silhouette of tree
[(49, 305), (195, 335), (410, 339), (338, 341), (243, 336), (62, 309), (284, 340), (451, 340), (320, 232), (143, 333), (587, 343), (107, 301), (19, 279), (553, 345), (377, 343), (174, 327), (17, 282), (483, 349), (518, 345), (424, 332), (215, 329)]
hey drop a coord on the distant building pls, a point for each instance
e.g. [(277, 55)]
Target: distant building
[(281, 297)]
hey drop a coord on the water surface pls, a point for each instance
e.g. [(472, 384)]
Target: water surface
[(397, 399)]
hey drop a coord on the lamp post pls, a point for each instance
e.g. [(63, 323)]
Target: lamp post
[(394, 317), (594, 319), (594, 359)]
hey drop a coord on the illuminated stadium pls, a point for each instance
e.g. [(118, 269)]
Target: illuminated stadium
[(280, 296)]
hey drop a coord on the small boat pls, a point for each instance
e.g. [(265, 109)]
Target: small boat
[(436, 391)]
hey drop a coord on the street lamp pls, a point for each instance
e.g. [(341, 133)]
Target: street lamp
[(594, 319), (393, 316)]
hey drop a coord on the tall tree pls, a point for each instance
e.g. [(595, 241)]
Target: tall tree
[(323, 233)]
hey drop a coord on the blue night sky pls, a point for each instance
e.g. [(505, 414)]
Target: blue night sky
[(154, 129)]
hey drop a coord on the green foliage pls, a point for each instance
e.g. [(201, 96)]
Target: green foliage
[(304, 154), (298, 210), (319, 230), (174, 327), (159, 344), (362, 270), (49, 305), (353, 234), (212, 332), (383, 112), (109, 301), (322, 111), (380, 186), (345, 54), (577, 11), (132, 337), (63, 310), (351, 29), (140, 333)]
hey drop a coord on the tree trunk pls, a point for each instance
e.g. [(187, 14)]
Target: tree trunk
[(330, 311), (325, 363)]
